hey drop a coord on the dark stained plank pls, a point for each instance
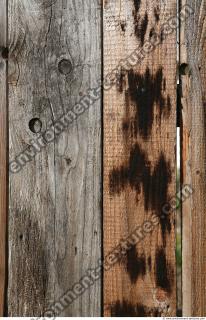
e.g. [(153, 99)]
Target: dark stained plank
[(3, 151), (193, 80), (55, 214), (139, 160)]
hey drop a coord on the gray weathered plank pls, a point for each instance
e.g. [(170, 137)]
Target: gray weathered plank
[(54, 224), (193, 78), (3, 150)]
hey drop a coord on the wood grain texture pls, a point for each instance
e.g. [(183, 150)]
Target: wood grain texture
[(55, 215), (3, 151), (139, 159), (193, 79)]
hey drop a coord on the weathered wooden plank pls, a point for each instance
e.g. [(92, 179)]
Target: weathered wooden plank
[(193, 80), (139, 159), (54, 224), (3, 150)]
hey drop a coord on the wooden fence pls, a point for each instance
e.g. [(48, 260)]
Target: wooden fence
[(90, 97)]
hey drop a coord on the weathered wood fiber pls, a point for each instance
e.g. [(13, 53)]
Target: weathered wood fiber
[(139, 159), (3, 151), (193, 80), (54, 219)]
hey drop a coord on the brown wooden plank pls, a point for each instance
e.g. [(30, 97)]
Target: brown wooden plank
[(3, 150), (54, 224), (193, 79), (139, 159)]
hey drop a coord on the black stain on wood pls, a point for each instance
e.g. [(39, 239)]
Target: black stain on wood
[(137, 4), (184, 69), (133, 174), (121, 81), (127, 309), (135, 264), (123, 26), (162, 36), (141, 28), (152, 32), (156, 195), (157, 14), (149, 263), (124, 308), (164, 271), (138, 175), (164, 84), (145, 91), (169, 105), (140, 24)]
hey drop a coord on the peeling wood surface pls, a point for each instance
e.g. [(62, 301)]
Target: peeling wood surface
[(139, 159), (193, 54), (55, 214), (3, 152)]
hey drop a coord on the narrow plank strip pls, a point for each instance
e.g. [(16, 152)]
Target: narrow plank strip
[(139, 159), (55, 215), (3, 151), (193, 78)]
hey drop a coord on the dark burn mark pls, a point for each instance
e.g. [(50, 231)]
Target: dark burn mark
[(164, 84), (157, 14), (149, 262), (162, 37), (169, 105), (156, 312), (156, 195), (138, 175), (121, 81), (122, 309), (137, 4), (144, 92), (135, 264), (123, 26), (141, 28), (152, 32), (127, 309), (134, 174), (164, 272), (158, 183), (140, 25)]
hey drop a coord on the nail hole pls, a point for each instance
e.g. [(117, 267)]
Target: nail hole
[(21, 236), (184, 69), (65, 66), (5, 53), (35, 125)]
